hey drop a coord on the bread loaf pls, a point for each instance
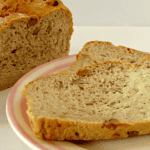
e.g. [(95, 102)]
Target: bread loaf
[(99, 51), (32, 32), (102, 101)]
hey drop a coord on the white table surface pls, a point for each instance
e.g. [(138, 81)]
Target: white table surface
[(133, 37)]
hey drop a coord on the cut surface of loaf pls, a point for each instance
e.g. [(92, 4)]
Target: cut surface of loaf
[(99, 51), (102, 101), (31, 34)]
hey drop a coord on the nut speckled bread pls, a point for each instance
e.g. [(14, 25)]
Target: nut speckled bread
[(102, 101), (31, 33), (99, 51)]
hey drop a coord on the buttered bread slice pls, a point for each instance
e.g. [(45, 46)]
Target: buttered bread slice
[(102, 101)]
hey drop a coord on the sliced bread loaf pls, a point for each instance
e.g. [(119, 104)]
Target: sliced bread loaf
[(31, 33), (102, 101), (98, 51)]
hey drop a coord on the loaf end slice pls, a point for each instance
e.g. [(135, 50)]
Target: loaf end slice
[(102, 101), (30, 35)]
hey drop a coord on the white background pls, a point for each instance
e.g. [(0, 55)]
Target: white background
[(109, 12)]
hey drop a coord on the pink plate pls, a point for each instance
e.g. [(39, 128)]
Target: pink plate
[(16, 113)]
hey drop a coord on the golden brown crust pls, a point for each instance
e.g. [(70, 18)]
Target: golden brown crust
[(98, 42), (133, 50), (39, 8), (109, 43), (15, 10)]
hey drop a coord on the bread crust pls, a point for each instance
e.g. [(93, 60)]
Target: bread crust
[(23, 10), (63, 129), (67, 129)]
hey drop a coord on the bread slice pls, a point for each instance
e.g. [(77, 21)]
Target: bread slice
[(103, 101), (99, 51), (31, 34)]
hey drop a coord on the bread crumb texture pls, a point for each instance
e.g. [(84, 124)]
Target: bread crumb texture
[(31, 33), (98, 51), (102, 101)]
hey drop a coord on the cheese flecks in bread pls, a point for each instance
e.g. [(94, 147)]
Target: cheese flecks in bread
[(99, 51), (31, 34), (101, 101)]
